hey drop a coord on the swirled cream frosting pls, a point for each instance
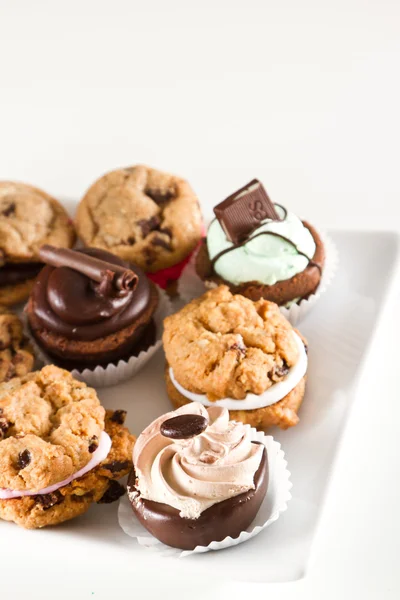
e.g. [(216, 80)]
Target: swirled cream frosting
[(194, 474)]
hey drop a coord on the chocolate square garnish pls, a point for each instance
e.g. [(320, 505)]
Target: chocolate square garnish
[(242, 212)]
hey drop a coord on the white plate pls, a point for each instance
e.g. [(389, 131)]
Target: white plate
[(339, 330)]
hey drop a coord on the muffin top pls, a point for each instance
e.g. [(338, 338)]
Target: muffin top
[(226, 346), (16, 354), (50, 425), (143, 215), (30, 218)]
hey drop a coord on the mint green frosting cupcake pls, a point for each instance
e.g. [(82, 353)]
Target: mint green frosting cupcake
[(275, 251)]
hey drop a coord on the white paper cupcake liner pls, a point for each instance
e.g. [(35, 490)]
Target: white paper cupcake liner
[(124, 369), (190, 285), (275, 502)]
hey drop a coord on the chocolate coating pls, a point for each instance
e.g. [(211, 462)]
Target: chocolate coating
[(67, 303), (183, 427), (12, 273), (227, 518)]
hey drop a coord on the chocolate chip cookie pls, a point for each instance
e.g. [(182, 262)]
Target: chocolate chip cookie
[(16, 354), (51, 428), (142, 215), (226, 347), (29, 218)]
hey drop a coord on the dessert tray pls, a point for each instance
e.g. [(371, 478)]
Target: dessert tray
[(339, 330)]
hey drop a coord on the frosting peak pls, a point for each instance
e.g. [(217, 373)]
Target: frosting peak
[(275, 251), (193, 474)]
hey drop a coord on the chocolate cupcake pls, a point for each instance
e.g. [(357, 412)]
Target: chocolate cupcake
[(145, 216), (261, 250), (197, 477), (89, 308)]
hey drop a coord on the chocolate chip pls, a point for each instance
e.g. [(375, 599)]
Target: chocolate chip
[(131, 240), (148, 225), (283, 370), (93, 444), (24, 458), (10, 210), (4, 427), (166, 231), (157, 241), (116, 466), (239, 347), (118, 416), (183, 427), (160, 197), (49, 500), (114, 492)]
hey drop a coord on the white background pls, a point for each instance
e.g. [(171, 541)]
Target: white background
[(303, 95)]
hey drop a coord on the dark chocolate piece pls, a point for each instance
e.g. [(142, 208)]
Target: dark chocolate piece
[(93, 444), (229, 517), (96, 269), (9, 210), (242, 212), (4, 427), (118, 416), (24, 458), (49, 500), (113, 493), (183, 427)]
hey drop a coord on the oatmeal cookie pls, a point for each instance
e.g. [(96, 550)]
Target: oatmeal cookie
[(142, 215), (228, 346), (52, 417), (98, 485), (16, 354)]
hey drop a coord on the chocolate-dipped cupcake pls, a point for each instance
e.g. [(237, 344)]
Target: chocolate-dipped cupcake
[(90, 308), (197, 477), (261, 250)]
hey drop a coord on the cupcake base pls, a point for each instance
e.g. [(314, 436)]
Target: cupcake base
[(297, 288), (274, 503), (227, 518), (147, 339), (282, 414)]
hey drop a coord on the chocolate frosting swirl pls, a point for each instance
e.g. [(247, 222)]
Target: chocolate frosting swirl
[(71, 304)]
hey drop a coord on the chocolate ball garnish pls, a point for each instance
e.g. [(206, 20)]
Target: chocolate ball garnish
[(183, 427)]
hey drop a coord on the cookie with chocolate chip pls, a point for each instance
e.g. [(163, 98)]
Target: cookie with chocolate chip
[(16, 353), (29, 218), (59, 449), (223, 347), (142, 215)]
